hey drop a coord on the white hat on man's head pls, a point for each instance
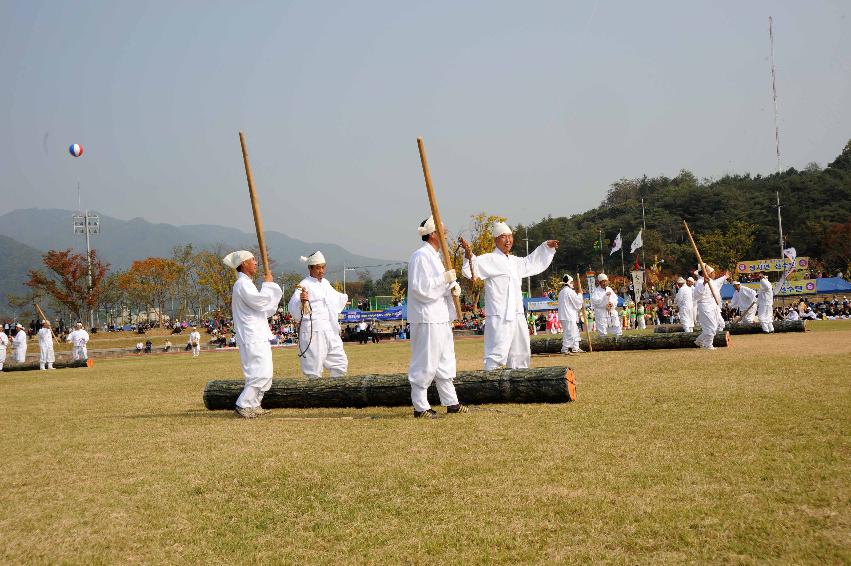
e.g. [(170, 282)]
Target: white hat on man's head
[(316, 258), (18, 325), (690, 279), (602, 277), (235, 259), (567, 279), (427, 227), (681, 281), (500, 229), (737, 283)]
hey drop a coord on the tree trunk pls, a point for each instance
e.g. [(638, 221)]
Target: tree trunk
[(630, 342), (534, 385), (779, 326), (56, 365)]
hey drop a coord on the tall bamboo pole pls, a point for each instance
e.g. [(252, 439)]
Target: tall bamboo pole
[(41, 314), (255, 208), (438, 223), (706, 278)]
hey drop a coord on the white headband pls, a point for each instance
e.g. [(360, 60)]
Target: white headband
[(427, 228), (316, 258), (233, 260), (500, 229)]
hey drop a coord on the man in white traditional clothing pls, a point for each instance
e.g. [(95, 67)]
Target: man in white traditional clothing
[(604, 301), (506, 333), (765, 303), (195, 342), (19, 344), (79, 340), (430, 313), (685, 304), (316, 305), (570, 303), (251, 309), (46, 354), (744, 299), (4, 342), (707, 290)]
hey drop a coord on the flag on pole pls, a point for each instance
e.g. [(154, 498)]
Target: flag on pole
[(617, 245), (792, 255), (636, 243)]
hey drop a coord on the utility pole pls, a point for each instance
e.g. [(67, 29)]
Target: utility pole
[(774, 93), (87, 223), (528, 279), (602, 264), (644, 229), (780, 226)]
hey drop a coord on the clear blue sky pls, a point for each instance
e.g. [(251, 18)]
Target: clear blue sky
[(527, 109)]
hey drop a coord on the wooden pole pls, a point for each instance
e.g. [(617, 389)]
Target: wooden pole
[(438, 223), (706, 279), (255, 208), (584, 314), (41, 314)]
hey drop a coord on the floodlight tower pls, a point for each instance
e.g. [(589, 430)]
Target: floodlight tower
[(87, 223)]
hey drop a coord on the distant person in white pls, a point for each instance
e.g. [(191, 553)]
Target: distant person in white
[(316, 305), (793, 315), (765, 304), (79, 338), (744, 299), (506, 331), (195, 342), (570, 303), (604, 301), (4, 342), (685, 303), (251, 309), (690, 283), (19, 344), (46, 354), (430, 313)]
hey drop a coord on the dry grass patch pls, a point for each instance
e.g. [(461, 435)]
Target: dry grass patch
[(737, 455)]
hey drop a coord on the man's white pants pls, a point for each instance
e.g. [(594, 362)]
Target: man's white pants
[(2, 356), (570, 338), (766, 317), (708, 319), (20, 354), (687, 321), (79, 353), (608, 322), (46, 356), (432, 360), (639, 321), (506, 343), (749, 315), (325, 351), (196, 350), (256, 361)]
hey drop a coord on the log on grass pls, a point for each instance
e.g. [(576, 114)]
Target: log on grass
[(631, 342), (533, 385), (740, 328), (57, 365)]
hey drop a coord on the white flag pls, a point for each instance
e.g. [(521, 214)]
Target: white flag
[(636, 243), (790, 253), (617, 245)]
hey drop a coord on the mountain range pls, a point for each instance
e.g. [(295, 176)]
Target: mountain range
[(27, 233)]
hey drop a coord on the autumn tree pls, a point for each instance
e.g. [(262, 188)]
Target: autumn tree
[(66, 280), (214, 277), (481, 242), (725, 249), (154, 278)]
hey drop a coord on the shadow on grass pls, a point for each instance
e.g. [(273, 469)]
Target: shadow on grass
[(277, 415)]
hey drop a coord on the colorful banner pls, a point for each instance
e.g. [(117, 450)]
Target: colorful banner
[(796, 287), (541, 304), (637, 283), (776, 264)]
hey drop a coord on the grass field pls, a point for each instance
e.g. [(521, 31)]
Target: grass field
[(741, 455)]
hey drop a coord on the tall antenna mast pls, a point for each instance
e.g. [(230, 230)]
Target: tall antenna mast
[(774, 92)]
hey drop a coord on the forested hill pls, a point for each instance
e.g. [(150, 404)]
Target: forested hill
[(734, 217)]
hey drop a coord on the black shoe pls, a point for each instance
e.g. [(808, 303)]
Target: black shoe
[(427, 414), (459, 408)]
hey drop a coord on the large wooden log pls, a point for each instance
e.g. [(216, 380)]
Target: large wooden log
[(779, 326), (552, 345), (534, 385), (57, 365)]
